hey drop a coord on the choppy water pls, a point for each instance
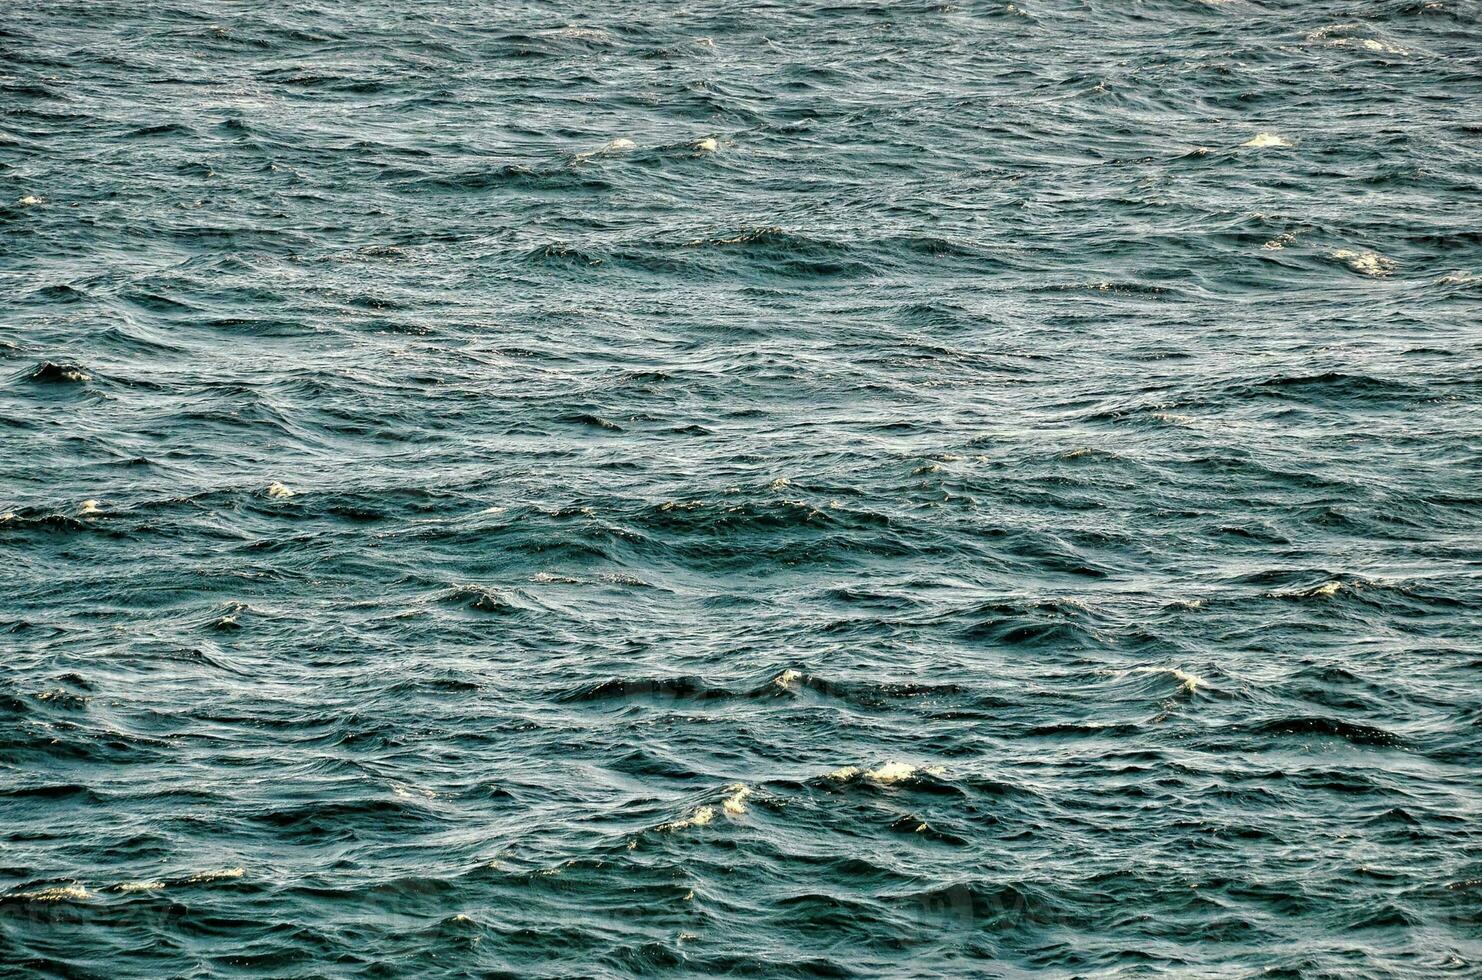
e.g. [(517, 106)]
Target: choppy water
[(787, 490)]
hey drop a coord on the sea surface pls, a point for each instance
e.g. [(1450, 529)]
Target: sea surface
[(797, 489)]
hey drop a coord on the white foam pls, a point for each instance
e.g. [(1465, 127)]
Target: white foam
[(707, 145), (699, 818), (90, 507), (62, 893), (735, 804), (1261, 141), (278, 491), (30, 200), (141, 886), (403, 792), (892, 772), (221, 874), (620, 145), (1369, 263), (584, 33), (1334, 36), (787, 678), (1187, 681)]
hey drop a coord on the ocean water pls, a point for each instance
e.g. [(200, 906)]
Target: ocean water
[(782, 490)]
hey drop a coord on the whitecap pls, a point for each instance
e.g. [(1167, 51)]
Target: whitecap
[(887, 774), (1325, 591), (1335, 36), (61, 893), (620, 145), (90, 507), (221, 874), (583, 33), (892, 772), (1261, 141), (735, 804), (140, 886), (707, 145), (30, 200), (732, 806), (278, 491), (787, 678), (403, 792), (699, 818), (1189, 682), (1368, 263)]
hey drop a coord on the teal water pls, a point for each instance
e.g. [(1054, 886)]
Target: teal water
[(782, 490)]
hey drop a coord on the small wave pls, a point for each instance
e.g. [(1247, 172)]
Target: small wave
[(278, 491), (667, 688), (733, 805), (1324, 591), (480, 599), (872, 694), (1352, 732), (160, 129), (561, 177), (550, 578), (1187, 682), (591, 421), (50, 372)]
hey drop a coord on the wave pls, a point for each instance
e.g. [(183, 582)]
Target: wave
[(54, 373), (1355, 733)]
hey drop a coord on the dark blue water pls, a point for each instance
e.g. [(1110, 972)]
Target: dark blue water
[(805, 489)]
